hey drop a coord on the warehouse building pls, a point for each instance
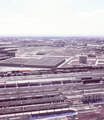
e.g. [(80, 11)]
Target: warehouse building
[(7, 51), (43, 52), (45, 62)]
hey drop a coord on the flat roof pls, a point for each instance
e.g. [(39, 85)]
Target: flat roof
[(46, 62), (5, 68), (14, 61)]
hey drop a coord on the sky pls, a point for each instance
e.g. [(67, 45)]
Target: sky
[(52, 17)]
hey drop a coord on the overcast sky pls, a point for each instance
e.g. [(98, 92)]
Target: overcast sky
[(52, 17)]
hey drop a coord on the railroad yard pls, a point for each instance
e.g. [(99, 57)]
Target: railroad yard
[(52, 60), (58, 80), (43, 97)]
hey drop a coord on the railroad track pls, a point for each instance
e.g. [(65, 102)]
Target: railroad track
[(45, 99)]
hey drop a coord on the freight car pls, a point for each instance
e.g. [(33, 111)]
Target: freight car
[(28, 96), (33, 101), (91, 80)]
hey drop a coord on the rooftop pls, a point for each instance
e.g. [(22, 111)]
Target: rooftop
[(46, 62)]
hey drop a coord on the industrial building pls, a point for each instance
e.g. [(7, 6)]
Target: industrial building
[(91, 55), (45, 62), (7, 51), (43, 52), (83, 59)]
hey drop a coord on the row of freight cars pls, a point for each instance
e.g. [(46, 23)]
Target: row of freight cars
[(35, 108), (51, 71), (39, 72)]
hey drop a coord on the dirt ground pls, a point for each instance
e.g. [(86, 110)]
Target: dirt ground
[(52, 51)]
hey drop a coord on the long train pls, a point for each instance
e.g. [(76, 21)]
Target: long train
[(51, 71)]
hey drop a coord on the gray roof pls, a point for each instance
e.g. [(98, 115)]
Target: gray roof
[(45, 61), (42, 62)]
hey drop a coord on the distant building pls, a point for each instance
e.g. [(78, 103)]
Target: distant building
[(91, 55), (83, 59), (40, 53), (7, 51), (43, 52)]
